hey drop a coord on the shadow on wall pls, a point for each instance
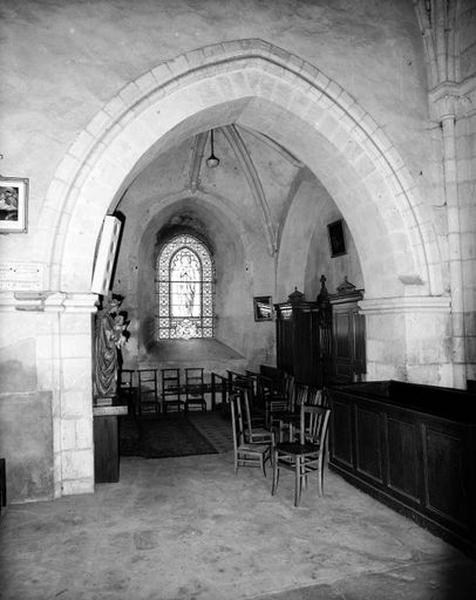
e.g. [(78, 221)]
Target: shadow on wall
[(147, 333)]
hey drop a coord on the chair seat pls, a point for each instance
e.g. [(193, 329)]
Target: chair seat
[(259, 436), (297, 448), (253, 448)]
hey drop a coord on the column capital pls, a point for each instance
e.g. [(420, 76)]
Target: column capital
[(452, 100)]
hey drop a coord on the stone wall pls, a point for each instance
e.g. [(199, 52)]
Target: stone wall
[(26, 443)]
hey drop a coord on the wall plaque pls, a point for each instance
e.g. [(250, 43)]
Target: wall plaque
[(23, 277)]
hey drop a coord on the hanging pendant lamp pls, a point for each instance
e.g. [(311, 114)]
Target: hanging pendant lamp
[(212, 160)]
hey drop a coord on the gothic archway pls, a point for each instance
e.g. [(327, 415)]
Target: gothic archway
[(264, 88)]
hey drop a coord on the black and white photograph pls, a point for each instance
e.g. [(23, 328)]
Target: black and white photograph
[(263, 308), (13, 204), (237, 299)]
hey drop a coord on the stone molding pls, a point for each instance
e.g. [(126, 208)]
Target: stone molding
[(53, 302), (451, 99), (405, 305)]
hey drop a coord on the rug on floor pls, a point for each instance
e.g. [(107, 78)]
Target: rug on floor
[(161, 437)]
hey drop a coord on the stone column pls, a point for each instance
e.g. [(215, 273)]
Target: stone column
[(69, 364)]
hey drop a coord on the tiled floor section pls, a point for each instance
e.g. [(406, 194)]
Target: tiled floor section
[(215, 427), (189, 529)]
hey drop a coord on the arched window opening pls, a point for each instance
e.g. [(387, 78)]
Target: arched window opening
[(184, 284)]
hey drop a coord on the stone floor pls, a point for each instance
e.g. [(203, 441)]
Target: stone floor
[(188, 528)]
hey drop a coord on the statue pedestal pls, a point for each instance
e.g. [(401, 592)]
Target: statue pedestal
[(106, 441)]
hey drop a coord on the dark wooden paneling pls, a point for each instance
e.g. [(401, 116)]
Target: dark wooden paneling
[(414, 448), (285, 345), (341, 433), (348, 331), (360, 360), (106, 449), (368, 443), (402, 454), (299, 328), (342, 338), (446, 492)]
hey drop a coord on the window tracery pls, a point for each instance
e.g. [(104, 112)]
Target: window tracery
[(184, 284)]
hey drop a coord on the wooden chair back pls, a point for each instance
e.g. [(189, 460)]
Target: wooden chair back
[(246, 401), (194, 376), (147, 381), (237, 421), (314, 425), (194, 383), (301, 392), (147, 391), (315, 397), (127, 379)]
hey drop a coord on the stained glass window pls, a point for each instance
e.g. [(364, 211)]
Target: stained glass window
[(185, 286)]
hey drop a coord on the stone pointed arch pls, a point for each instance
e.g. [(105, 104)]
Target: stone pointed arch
[(263, 88), (114, 145)]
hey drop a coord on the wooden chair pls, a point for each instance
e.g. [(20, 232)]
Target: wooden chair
[(245, 454), (290, 419), (314, 397), (239, 381), (194, 389), (277, 398), (171, 391), (147, 392), (128, 389), (258, 412), (253, 376), (253, 434), (219, 387), (306, 455)]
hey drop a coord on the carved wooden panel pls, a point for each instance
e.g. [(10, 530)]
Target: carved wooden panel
[(402, 450), (348, 332), (414, 448), (368, 443), (285, 344), (446, 478), (341, 433)]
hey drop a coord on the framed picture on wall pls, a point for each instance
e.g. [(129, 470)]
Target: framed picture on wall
[(263, 308), (336, 238), (13, 204)]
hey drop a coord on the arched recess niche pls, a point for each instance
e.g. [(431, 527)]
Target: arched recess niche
[(215, 221), (304, 251)]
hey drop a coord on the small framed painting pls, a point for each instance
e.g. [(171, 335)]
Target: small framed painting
[(13, 204), (336, 238), (263, 308)]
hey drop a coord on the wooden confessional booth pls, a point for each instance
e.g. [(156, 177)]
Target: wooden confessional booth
[(322, 342)]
